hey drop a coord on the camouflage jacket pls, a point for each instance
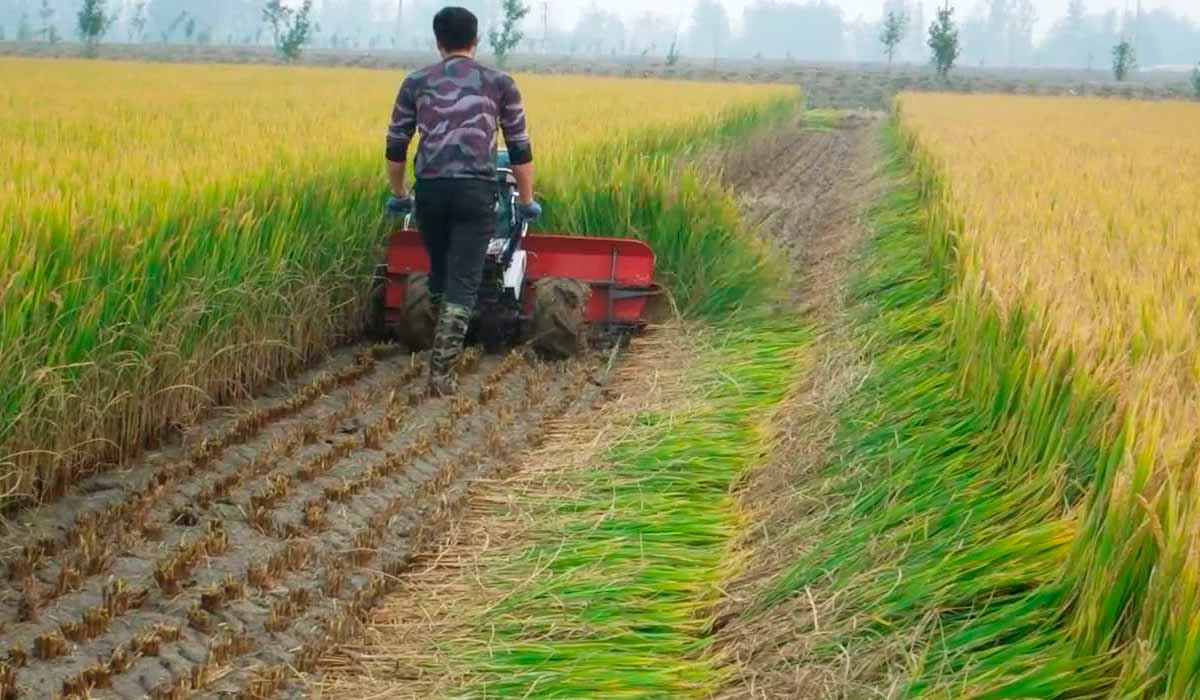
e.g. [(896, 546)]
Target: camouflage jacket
[(458, 106)]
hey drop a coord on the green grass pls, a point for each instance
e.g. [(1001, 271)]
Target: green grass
[(624, 566)]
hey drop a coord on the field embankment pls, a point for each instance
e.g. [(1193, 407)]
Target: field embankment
[(1008, 506), (169, 277)]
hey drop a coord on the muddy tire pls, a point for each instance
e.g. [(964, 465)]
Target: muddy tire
[(420, 315), (376, 325), (559, 328)]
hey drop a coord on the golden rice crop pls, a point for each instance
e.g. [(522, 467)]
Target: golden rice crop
[(161, 225), (1078, 223)]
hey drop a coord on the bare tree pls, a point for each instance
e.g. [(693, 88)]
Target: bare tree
[(49, 30), (710, 26), (1022, 18), (137, 23)]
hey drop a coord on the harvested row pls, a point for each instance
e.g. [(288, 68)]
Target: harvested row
[(268, 545), (171, 571), (85, 548)]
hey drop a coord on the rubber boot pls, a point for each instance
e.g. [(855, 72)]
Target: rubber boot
[(447, 345)]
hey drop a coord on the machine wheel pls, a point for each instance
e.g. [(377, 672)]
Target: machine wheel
[(420, 316), (376, 320), (559, 326)]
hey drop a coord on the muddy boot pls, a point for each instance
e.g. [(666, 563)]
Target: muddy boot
[(447, 344)]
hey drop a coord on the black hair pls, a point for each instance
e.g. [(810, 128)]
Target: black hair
[(456, 28)]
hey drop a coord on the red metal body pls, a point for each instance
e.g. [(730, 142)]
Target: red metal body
[(619, 270)]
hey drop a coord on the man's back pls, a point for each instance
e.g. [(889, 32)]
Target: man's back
[(458, 106)]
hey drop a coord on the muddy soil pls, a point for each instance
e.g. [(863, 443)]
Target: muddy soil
[(219, 566)]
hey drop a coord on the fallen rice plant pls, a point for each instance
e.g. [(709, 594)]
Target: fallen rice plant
[(1011, 510), (607, 590)]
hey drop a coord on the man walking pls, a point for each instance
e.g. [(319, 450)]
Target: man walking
[(458, 107)]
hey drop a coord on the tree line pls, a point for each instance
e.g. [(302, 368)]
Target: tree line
[(992, 33)]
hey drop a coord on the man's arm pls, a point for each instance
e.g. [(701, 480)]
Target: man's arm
[(396, 178), (516, 138), (524, 175), (400, 134)]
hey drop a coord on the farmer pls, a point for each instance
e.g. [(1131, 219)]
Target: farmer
[(457, 106)]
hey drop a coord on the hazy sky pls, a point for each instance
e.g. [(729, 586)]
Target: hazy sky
[(563, 12)]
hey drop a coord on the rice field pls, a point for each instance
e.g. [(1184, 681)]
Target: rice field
[(163, 223), (1007, 511)]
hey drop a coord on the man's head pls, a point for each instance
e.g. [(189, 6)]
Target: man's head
[(457, 30)]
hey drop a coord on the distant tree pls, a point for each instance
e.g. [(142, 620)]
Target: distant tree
[(93, 25), (24, 28), (597, 32), (291, 29), (1124, 60), (895, 26), (509, 36), (49, 31), (1021, 21), (999, 13), (1070, 37), (174, 26), (916, 50), (3, 33), (814, 30), (710, 27), (943, 41), (189, 29), (1196, 80), (673, 52), (137, 22), (650, 33)]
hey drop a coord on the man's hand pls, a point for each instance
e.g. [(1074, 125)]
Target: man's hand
[(399, 206), (529, 212)]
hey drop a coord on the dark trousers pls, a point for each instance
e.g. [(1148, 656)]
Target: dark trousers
[(457, 219)]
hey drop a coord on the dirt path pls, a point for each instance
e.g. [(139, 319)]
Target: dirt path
[(215, 567), (812, 203)]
